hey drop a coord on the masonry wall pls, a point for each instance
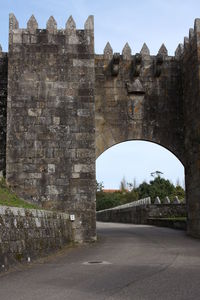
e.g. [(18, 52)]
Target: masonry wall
[(141, 214), (26, 234), (51, 129), (191, 92), (3, 109)]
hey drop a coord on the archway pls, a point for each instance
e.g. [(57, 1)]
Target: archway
[(135, 170), (137, 159)]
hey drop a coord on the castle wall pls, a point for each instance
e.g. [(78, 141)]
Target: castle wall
[(51, 129), (3, 109)]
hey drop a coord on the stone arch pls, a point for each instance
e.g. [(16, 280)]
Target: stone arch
[(136, 156), (105, 142)]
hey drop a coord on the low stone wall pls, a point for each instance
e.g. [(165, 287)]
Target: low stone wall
[(26, 234), (141, 214)]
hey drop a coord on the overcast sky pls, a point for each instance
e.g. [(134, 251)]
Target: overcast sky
[(151, 21)]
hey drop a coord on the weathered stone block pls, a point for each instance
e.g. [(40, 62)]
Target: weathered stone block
[(51, 168), (34, 112)]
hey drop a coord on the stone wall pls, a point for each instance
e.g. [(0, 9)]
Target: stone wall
[(3, 109), (191, 93), (141, 214), (51, 129), (26, 234)]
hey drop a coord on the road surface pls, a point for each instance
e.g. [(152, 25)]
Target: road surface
[(128, 262)]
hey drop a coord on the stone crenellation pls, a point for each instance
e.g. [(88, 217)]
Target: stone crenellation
[(145, 50), (51, 25)]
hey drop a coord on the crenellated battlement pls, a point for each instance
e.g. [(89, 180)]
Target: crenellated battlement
[(31, 34), (143, 62), (126, 53), (51, 25), (135, 65), (186, 47), (138, 63)]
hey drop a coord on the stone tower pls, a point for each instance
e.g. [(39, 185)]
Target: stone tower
[(51, 121)]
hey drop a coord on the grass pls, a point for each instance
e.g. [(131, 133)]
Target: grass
[(9, 198)]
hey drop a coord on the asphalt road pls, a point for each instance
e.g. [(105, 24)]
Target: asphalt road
[(139, 262)]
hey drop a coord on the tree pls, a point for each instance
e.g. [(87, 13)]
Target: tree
[(156, 174), (123, 184), (179, 191), (99, 186), (159, 187), (108, 200), (177, 182), (132, 185), (143, 190)]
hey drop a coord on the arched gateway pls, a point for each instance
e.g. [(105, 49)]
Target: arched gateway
[(64, 103)]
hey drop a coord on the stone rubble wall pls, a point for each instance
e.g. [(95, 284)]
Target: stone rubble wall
[(26, 234)]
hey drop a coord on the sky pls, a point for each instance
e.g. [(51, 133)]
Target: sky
[(151, 21)]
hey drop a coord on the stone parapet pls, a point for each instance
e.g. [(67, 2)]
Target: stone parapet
[(140, 214)]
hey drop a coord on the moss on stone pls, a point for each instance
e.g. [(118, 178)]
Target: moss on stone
[(8, 198)]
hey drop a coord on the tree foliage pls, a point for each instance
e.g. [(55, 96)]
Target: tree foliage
[(130, 192), (158, 187)]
